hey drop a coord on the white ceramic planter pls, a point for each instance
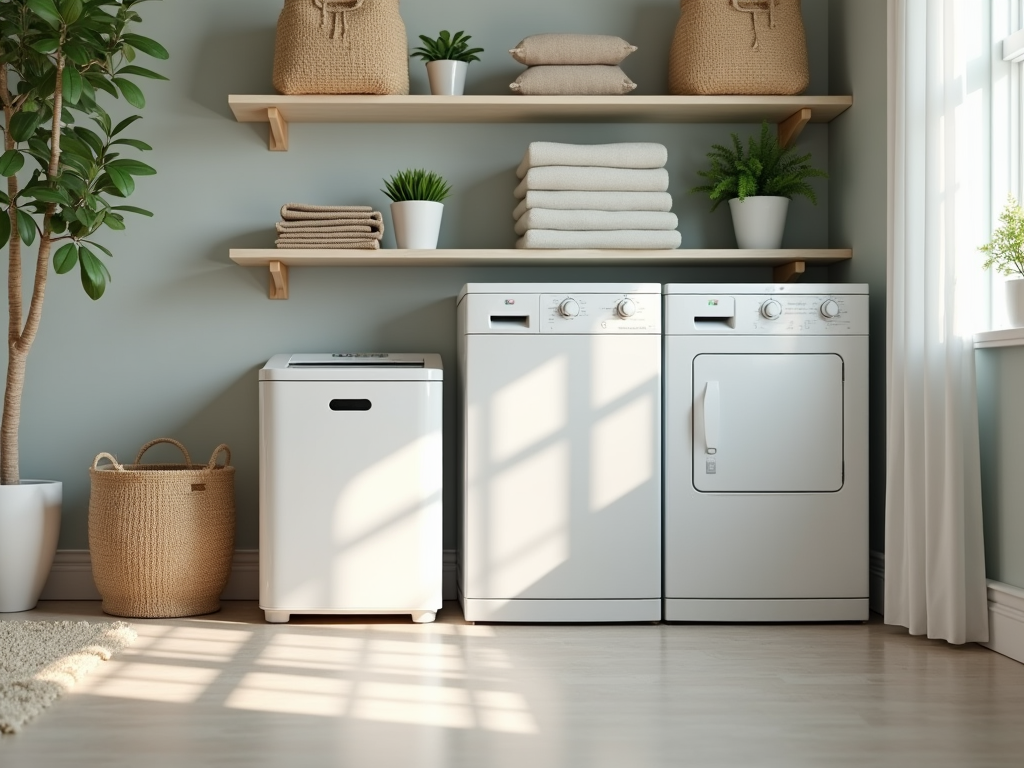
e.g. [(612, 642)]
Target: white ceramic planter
[(29, 526), (417, 223), (759, 221), (447, 78), (1015, 302)]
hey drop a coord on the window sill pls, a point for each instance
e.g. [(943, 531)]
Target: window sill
[(1007, 337)]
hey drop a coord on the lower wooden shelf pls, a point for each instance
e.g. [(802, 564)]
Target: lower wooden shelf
[(788, 264)]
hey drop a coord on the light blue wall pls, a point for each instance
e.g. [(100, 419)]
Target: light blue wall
[(174, 347), (857, 195), (1001, 417)]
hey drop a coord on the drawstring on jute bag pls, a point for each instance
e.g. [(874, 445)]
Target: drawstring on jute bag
[(763, 6), (336, 8)]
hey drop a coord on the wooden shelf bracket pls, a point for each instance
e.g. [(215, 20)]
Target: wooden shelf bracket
[(278, 138), (791, 127), (278, 280), (789, 273)]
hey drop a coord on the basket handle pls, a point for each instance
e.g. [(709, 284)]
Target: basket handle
[(222, 448), (96, 462), (151, 443)]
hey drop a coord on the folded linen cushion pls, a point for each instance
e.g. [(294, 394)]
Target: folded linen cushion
[(628, 239), (593, 201), (596, 179), (591, 80), (571, 49), (623, 155), (544, 218)]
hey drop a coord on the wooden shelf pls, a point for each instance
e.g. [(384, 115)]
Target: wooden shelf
[(787, 263), (791, 113)]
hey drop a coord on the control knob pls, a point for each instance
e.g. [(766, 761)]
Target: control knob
[(771, 309), (626, 308), (569, 308), (830, 309)]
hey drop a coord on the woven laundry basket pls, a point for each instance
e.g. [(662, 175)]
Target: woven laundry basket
[(161, 535), (341, 46), (741, 47)]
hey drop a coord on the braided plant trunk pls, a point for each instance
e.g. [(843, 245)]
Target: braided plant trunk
[(19, 336)]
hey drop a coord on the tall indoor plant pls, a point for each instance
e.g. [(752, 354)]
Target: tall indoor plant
[(55, 58), (758, 182)]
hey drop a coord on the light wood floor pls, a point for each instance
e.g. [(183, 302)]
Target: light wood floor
[(230, 690)]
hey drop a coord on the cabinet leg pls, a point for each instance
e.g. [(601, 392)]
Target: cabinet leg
[(277, 617), (423, 617)]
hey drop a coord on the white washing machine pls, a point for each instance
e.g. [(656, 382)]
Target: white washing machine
[(561, 452), (350, 485), (766, 453)]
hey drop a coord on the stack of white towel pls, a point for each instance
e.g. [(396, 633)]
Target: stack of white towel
[(329, 226), (611, 196)]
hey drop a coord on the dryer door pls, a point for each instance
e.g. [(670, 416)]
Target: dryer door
[(768, 423)]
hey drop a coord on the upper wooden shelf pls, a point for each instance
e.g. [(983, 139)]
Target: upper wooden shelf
[(791, 113), (787, 263)]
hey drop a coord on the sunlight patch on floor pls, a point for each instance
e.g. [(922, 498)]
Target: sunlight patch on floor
[(171, 683), (291, 694)]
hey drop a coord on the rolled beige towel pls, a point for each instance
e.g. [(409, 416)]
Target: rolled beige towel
[(593, 201), (583, 221), (562, 177), (618, 239)]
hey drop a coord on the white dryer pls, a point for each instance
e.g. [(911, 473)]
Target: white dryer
[(561, 452), (766, 453)]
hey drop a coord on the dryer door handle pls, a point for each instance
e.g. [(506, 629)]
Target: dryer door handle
[(712, 416)]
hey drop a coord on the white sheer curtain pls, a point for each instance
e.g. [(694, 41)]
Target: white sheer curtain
[(934, 553)]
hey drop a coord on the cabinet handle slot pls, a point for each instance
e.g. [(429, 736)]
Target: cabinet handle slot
[(350, 405)]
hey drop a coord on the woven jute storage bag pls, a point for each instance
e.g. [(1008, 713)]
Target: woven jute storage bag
[(341, 46), (740, 47), (161, 535)]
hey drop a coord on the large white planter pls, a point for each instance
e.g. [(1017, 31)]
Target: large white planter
[(1015, 302), (29, 526), (759, 221), (447, 78), (417, 223)]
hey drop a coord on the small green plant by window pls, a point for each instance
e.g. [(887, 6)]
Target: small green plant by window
[(764, 168), (447, 47), (416, 184), (1006, 250)]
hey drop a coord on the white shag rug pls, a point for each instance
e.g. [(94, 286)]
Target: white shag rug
[(42, 660)]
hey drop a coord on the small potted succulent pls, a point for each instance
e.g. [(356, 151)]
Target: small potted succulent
[(1006, 253), (758, 183), (447, 60), (416, 207)]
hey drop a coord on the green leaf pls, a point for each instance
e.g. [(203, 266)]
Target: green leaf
[(45, 45), (131, 92), (26, 227), (24, 124), (46, 10), (146, 45), (65, 258), (103, 248), (141, 72), (5, 228), (122, 180), (93, 279), (46, 195), (134, 167), (94, 142), (77, 53), (114, 221), (139, 145), (132, 209), (71, 85), (101, 82), (71, 10), (124, 124), (11, 162)]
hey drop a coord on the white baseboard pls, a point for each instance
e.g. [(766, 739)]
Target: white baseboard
[(876, 583), (71, 576), (1006, 620)]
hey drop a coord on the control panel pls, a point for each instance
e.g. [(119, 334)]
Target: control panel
[(771, 314), (592, 313)]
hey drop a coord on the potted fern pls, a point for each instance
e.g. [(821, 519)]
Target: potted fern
[(758, 182), (416, 207), (447, 58), (55, 58), (1005, 253)]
